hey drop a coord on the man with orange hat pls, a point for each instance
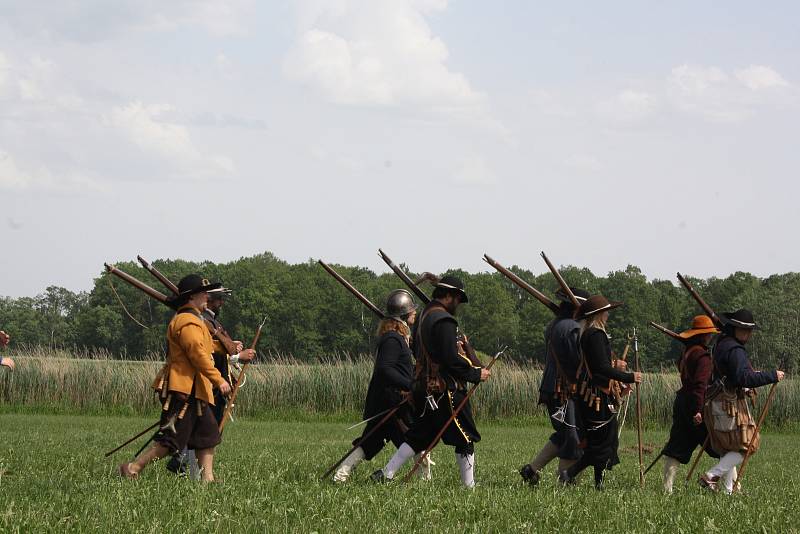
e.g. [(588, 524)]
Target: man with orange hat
[(6, 362), (695, 368)]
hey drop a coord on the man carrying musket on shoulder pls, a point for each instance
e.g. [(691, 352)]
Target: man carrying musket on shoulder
[(558, 388), (6, 362), (440, 383), (187, 419), (222, 362), (730, 425), (695, 367), (390, 384)]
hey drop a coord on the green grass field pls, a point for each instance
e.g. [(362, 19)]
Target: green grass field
[(56, 479)]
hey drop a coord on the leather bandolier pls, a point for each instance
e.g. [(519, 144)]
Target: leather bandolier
[(730, 423), (590, 393), (428, 378)]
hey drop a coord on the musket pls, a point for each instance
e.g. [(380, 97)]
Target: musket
[(562, 283), (134, 438), (364, 300), (522, 284), (141, 286), (665, 330), (638, 409), (654, 462), (696, 296), (405, 278), (450, 420), (386, 417), (229, 407), (749, 452), (160, 277)]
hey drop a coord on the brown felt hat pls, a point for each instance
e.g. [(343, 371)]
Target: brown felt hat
[(596, 304), (701, 324)]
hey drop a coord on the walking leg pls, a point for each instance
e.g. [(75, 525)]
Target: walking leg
[(670, 470)]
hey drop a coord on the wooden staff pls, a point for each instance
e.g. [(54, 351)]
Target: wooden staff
[(638, 410), (697, 459), (761, 418), (450, 420), (229, 407), (365, 438)]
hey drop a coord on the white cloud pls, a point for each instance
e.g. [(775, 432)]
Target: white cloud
[(628, 106), (709, 92), (757, 77), (474, 171), (362, 52), (144, 126), (12, 177)]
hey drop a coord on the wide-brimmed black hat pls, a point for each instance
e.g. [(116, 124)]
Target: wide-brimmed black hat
[(596, 304), (454, 284), (220, 292), (740, 319), (194, 283), (580, 295)]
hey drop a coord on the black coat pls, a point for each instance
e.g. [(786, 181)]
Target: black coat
[(393, 373)]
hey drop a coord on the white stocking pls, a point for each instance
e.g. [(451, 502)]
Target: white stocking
[(670, 470), (466, 464), (396, 462), (348, 465)]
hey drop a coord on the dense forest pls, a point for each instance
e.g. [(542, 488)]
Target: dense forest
[(310, 316)]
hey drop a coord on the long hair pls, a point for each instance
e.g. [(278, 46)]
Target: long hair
[(393, 325), (594, 321)]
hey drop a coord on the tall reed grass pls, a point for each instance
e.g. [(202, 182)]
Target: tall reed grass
[(278, 387)]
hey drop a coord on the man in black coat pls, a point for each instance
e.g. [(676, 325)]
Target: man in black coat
[(441, 377), (389, 385), (561, 338)]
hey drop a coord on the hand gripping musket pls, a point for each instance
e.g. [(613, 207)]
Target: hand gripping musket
[(364, 300), (667, 331), (696, 296), (749, 453), (638, 409), (229, 407), (450, 420), (522, 284), (562, 283)]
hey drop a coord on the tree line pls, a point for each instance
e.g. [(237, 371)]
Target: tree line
[(311, 317)]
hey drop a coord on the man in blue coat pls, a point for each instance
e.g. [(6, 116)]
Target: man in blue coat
[(733, 371)]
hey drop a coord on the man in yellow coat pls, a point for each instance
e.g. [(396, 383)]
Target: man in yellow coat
[(187, 419)]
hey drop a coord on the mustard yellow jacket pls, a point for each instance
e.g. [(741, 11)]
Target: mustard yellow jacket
[(190, 360)]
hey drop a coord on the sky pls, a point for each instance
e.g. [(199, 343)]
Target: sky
[(663, 135)]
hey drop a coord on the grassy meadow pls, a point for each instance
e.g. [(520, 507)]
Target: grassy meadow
[(54, 478), (50, 382)]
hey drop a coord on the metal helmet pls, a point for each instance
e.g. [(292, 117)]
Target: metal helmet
[(399, 303)]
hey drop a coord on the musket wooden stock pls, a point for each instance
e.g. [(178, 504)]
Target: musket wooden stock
[(405, 278), (158, 276), (749, 453), (229, 406), (522, 284), (562, 283), (364, 300), (450, 420), (665, 330), (696, 296)]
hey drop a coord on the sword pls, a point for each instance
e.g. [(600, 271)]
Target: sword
[(369, 419)]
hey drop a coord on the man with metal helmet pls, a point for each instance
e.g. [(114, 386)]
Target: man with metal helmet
[(441, 377), (390, 383)]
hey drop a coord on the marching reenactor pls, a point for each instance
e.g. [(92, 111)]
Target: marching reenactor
[(6, 362), (441, 376), (222, 362), (557, 389), (599, 393), (695, 367), (730, 425), (187, 419), (389, 386)]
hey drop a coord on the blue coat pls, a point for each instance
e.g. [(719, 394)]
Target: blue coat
[(733, 366)]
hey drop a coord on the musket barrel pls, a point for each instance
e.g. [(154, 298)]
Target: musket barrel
[(352, 290), (562, 282), (158, 276), (696, 296), (159, 296), (667, 331), (404, 277), (522, 284)]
